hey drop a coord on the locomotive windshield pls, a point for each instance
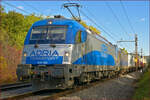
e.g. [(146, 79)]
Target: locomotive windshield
[(48, 34)]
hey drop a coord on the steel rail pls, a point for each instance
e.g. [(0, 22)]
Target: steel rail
[(14, 86), (18, 97)]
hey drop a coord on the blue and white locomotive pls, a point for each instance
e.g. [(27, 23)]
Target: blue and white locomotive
[(60, 52)]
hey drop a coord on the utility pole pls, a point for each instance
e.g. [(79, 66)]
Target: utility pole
[(141, 53), (142, 58), (136, 52)]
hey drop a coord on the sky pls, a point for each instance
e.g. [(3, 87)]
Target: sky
[(117, 20)]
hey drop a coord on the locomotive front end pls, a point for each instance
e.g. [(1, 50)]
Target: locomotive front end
[(47, 46), (47, 54)]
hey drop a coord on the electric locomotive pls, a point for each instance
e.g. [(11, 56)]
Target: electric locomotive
[(60, 52)]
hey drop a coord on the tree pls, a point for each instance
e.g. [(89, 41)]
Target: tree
[(84, 24), (124, 50), (13, 23), (92, 28), (29, 20), (14, 27)]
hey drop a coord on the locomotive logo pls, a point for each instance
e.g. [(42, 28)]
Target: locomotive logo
[(104, 50), (44, 53)]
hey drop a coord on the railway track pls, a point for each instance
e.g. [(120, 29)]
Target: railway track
[(18, 97), (14, 86), (55, 94), (52, 94), (76, 89)]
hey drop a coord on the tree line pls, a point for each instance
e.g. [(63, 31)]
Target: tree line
[(14, 27)]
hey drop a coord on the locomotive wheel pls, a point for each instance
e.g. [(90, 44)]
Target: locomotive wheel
[(109, 75), (85, 78)]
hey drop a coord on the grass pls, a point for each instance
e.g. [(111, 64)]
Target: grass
[(143, 90)]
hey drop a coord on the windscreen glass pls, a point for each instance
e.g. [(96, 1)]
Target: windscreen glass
[(48, 34), (39, 33)]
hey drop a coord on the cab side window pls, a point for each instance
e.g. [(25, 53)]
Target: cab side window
[(78, 37)]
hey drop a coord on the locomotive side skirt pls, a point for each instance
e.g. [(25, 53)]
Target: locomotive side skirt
[(64, 75)]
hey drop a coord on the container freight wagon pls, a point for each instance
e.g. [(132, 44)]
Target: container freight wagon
[(131, 62), (123, 61)]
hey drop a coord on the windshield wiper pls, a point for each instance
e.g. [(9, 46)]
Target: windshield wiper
[(37, 41)]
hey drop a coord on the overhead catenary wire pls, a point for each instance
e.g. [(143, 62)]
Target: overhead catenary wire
[(125, 12), (129, 22), (104, 28), (101, 28), (117, 19), (11, 5), (108, 31), (97, 25), (16, 7), (114, 35), (100, 22), (31, 6)]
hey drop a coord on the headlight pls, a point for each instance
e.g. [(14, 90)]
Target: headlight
[(24, 54), (66, 53), (50, 22)]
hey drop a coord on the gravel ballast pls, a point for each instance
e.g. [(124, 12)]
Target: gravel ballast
[(121, 88)]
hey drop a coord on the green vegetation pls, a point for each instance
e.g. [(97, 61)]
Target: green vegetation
[(124, 51), (90, 27), (83, 23), (143, 90), (13, 29)]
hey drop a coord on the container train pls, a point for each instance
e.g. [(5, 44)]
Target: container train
[(60, 52)]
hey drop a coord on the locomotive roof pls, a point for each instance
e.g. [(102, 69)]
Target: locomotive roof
[(57, 21)]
